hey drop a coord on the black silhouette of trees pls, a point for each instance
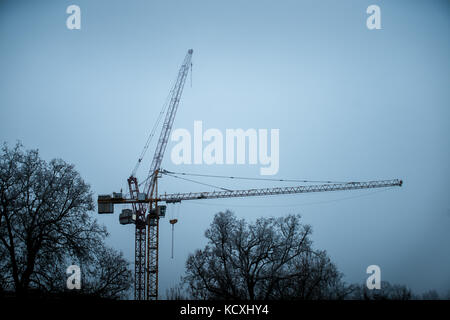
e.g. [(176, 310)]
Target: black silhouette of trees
[(46, 225), (272, 258), (387, 291)]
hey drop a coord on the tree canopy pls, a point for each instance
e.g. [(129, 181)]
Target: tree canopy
[(272, 258), (46, 224)]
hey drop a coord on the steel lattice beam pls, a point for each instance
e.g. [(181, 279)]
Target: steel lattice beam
[(176, 92), (139, 241), (177, 197), (152, 263)]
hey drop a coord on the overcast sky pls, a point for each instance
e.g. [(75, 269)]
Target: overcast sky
[(351, 104)]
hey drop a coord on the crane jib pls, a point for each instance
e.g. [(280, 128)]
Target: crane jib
[(177, 197), (176, 92)]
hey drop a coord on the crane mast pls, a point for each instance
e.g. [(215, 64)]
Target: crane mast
[(146, 272), (139, 239), (146, 212)]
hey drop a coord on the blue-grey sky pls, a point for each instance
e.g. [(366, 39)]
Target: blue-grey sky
[(350, 103)]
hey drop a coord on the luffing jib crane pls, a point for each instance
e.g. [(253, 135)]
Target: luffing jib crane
[(150, 221), (146, 206)]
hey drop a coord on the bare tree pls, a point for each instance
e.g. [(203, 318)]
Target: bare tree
[(178, 292), (386, 292), (107, 274), (45, 223), (270, 259), (430, 295)]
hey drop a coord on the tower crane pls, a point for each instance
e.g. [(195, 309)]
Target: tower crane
[(147, 208)]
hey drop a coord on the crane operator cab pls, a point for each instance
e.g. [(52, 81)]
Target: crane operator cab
[(160, 212)]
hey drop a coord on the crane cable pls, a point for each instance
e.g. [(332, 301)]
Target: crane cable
[(153, 131), (249, 178), (191, 73), (194, 181), (290, 205), (174, 174)]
